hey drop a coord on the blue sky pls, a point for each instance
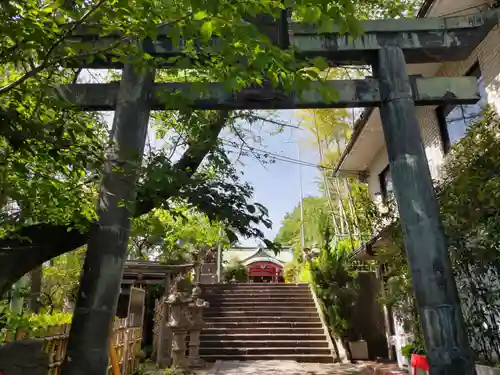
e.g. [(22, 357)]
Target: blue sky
[(277, 186)]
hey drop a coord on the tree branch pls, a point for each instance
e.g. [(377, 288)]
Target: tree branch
[(190, 160), (36, 244)]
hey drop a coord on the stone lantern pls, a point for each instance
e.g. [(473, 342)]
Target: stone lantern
[(196, 307)]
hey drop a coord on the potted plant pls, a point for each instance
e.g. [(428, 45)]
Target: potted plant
[(417, 358)]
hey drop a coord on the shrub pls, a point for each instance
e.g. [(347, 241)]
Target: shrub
[(236, 270)]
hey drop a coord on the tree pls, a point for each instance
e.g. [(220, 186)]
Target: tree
[(35, 46), (167, 234), (61, 280), (236, 271), (316, 219), (335, 282)]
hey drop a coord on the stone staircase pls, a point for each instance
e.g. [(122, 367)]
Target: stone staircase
[(263, 322)]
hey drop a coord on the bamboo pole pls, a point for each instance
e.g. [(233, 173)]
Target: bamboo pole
[(115, 364)]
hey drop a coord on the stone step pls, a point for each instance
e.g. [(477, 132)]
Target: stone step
[(305, 358), (255, 286), (271, 337), (257, 291), (234, 344), (265, 331), (263, 304), (264, 325), (278, 299), (240, 314), (254, 292), (262, 322), (255, 309), (261, 319), (212, 288), (264, 350)]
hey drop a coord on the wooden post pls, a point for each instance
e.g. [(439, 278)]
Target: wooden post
[(88, 345), (385, 309), (434, 286), (163, 356)]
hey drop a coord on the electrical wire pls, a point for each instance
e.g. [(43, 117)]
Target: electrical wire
[(275, 156)]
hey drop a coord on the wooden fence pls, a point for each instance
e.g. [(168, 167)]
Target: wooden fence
[(157, 319), (126, 341)]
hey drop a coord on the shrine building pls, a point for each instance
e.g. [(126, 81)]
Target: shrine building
[(262, 264)]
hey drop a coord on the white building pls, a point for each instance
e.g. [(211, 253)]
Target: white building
[(365, 156)]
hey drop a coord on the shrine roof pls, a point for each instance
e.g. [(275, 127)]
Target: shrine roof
[(244, 254), (149, 271)]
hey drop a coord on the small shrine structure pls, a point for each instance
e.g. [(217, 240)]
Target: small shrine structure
[(262, 264)]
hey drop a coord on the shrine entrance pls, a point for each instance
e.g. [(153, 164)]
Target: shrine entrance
[(265, 272), (385, 45)]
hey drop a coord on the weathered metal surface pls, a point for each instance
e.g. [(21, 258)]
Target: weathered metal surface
[(354, 93), (422, 40), (413, 24), (418, 46), (88, 344), (434, 285), (442, 90), (24, 357)]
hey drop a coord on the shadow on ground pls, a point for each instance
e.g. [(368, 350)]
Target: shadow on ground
[(284, 367)]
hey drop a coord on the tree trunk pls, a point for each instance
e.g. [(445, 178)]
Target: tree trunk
[(31, 246), (88, 344), (36, 276)]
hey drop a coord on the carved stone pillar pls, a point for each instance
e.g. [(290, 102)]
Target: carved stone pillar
[(197, 263), (196, 310), (179, 325)]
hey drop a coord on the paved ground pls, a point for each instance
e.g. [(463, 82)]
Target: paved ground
[(284, 367)]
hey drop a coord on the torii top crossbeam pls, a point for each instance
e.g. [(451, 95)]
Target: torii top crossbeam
[(422, 40)]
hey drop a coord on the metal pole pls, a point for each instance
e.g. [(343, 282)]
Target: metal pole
[(219, 253), (302, 235), (436, 294)]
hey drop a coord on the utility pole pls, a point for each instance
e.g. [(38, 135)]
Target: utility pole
[(302, 234), (219, 255)]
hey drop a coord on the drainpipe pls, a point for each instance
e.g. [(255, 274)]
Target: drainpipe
[(387, 318)]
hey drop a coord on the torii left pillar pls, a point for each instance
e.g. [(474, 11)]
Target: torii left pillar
[(88, 346), (436, 294)]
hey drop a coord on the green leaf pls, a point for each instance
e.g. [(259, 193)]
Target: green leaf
[(207, 30), (201, 15), (320, 63)]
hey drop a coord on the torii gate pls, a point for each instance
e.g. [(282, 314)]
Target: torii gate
[(387, 46)]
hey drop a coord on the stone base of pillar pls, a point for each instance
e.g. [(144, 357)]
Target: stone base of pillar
[(196, 363)]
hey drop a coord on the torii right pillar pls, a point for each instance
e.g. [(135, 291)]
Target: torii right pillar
[(443, 325)]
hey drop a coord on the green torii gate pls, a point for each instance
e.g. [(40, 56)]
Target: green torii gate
[(387, 46)]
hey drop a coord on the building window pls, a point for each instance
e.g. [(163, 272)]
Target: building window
[(455, 119), (386, 184)]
